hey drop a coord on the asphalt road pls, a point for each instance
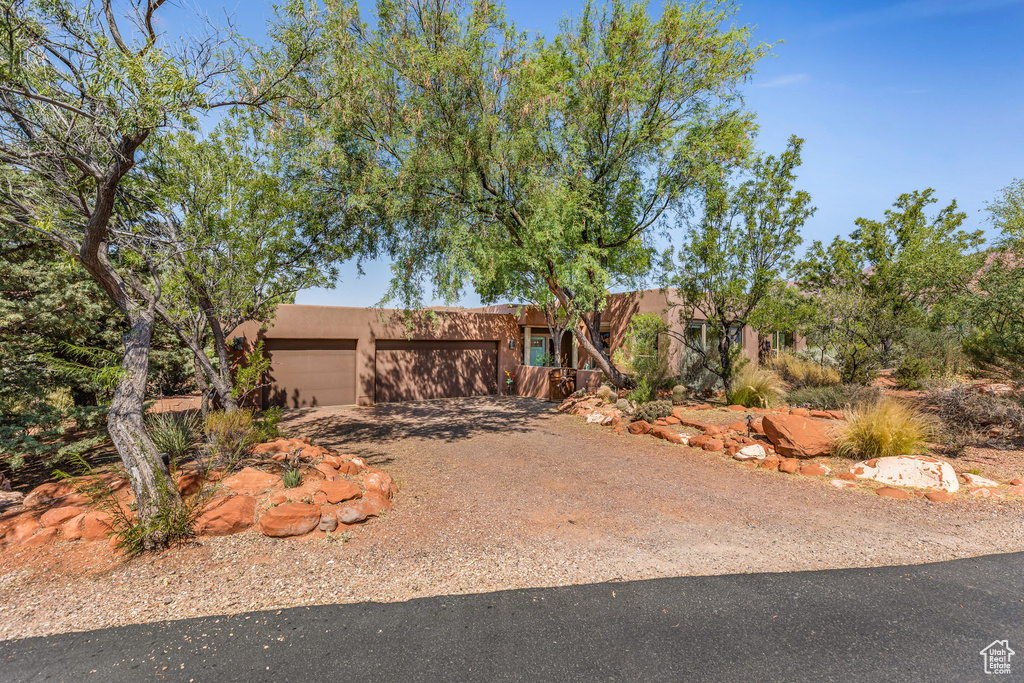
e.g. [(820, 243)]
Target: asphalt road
[(925, 622)]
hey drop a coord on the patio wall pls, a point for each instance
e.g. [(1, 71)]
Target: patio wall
[(532, 381)]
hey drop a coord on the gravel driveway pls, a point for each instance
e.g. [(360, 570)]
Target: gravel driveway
[(504, 493)]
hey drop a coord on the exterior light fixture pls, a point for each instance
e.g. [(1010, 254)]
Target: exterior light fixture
[(511, 343), (238, 343)]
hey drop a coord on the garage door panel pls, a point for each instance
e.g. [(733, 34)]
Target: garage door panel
[(307, 373), (421, 370)]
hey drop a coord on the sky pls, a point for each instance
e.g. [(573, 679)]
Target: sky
[(890, 97)]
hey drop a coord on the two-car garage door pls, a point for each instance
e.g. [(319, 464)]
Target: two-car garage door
[(419, 370)]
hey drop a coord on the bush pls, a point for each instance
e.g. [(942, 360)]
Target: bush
[(755, 387), (837, 397), (230, 434), (642, 392), (912, 373), (176, 435), (265, 427), (882, 428), (801, 372), (652, 410), (960, 408)]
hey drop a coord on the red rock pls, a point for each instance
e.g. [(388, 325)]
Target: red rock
[(711, 430), (330, 474), (821, 414), (251, 479), (732, 450), (740, 427), (836, 415), (332, 460), (189, 483), (348, 468), (660, 422), (278, 499), (95, 526), (41, 537), (702, 406), (843, 484), (798, 437), (290, 519), (1016, 482), (22, 530), (57, 516), (890, 492), (279, 457), (265, 448), (312, 453), (671, 420), (674, 437), (938, 496), (757, 427), (789, 465), (639, 427), (697, 441), (770, 462), (986, 492), (713, 445), (72, 529), (372, 505), (738, 409), (800, 412), (350, 515), (847, 476), (813, 470), (44, 494), (340, 491), (1016, 490), (226, 515)]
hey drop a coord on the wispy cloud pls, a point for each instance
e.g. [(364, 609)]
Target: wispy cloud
[(915, 10), (782, 81)]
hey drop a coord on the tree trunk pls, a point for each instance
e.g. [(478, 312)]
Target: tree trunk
[(204, 386), (764, 349), (151, 482), (620, 379), (724, 346)]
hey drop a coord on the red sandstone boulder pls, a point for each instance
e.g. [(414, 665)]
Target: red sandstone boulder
[(226, 515), (800, 412), (713, 445), (814, 470), (740, 427), (57, 516), (381, 483), (349, 468), (639, 427), (770, 462), (847, 476), (95, 526), (266, 448), (290, 519), (737, 408), (330, 474), (189, 483), (340, 491), (698, 441), (251, 479), (789, 465), (44, 494), (72, 529), (798, 437), (41, 537), (350, 515), (372, 505), (890, 492), (332, 460), (939, 496), (836, 414), (22, 529)]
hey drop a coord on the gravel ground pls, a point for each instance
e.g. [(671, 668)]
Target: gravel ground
[(500, 494)]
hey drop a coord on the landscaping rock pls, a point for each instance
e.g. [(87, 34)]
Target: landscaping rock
[(639, 427), (328, 523), (789, 465), (57, 516), (41, 537), (340, 491), (821, 414), (278, 499), (373, 504), (986, 492), (939, 496), (72, 529), (10, 499), (251, 479), (95, 526), (753, 452), (332, 460), (847, 476), (814, 470), (713, 445), (22, 530), (672, 420), (843, 484), (770, 462), (917, 471), (44, 494), (800, 412), (675, 437), (350, 515), (740, 427), (798, 437), (889, 492), (189, 483), (737, 408), (290, 519), (226, 515), (836, 415), (974, 480), (265, 448)]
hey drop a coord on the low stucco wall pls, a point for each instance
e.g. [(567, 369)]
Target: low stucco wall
[(532, 381)]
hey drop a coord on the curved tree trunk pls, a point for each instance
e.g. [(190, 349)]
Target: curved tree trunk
[(151, 482)]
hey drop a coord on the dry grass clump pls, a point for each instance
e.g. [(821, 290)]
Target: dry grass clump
[(800, 372), (882, 428), (756, 387)]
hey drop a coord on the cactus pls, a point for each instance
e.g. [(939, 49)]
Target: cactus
[(607, 394), (678, 395), (622, 404), (652, 410)]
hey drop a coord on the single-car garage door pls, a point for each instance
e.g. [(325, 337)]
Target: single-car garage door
[(311, 372), (418, 370)]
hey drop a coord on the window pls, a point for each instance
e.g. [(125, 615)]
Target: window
[(783, 341)]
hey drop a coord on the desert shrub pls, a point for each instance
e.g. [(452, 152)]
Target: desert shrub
[(882, 428), (755, 387), (961, 408), (265, 425), (292, 478), (678, 395), (607, 394), (230, 434), (176, 435), (642, 392), (801, 372), (835, 397), (640, 354), (912, 372), (652, 410)]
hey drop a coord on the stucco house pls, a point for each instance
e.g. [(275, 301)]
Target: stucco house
[(336, 355)]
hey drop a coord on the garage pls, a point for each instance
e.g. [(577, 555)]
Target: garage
[(420, 370), (305, 373)]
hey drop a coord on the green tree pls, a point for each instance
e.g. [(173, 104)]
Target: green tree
[(497, 156), (731, 258)]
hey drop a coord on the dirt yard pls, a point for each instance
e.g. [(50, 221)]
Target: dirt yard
[(504, 493)]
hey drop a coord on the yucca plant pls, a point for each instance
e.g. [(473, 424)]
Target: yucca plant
[(177, 435), (292, 478), (755, 388), (882, 428)]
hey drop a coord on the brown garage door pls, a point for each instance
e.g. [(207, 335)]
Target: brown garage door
[(418, 370), (311, 372)]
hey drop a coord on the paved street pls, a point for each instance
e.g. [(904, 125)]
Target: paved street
[(926, 622)]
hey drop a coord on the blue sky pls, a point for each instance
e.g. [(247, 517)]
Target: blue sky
[(889, 96)]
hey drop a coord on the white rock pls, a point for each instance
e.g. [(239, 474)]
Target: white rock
[(973, 480), (917, 471), (843, 484), (754, 451)]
